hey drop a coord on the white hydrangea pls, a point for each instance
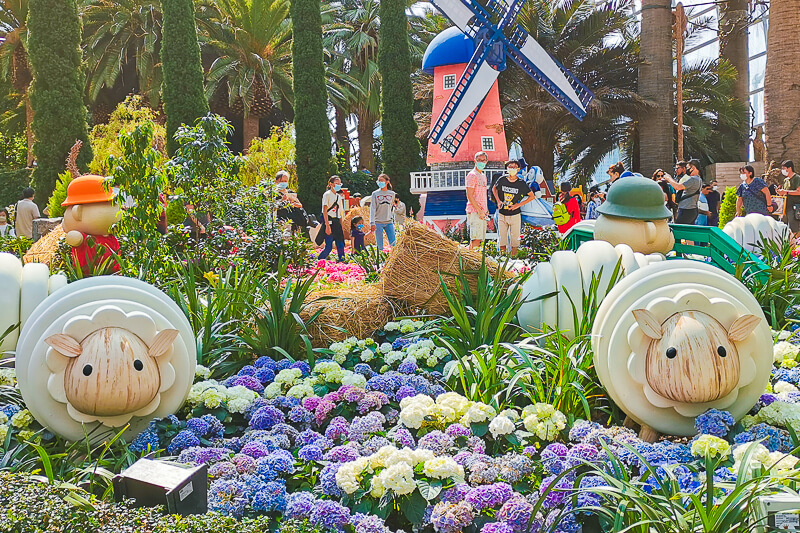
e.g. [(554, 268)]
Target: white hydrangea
[(543, 420), (200, 372), (399, 478), (385, 348), (340, 349), (3, 418), (348, 477), (393, 357), (391, 326), (478, 413), (785, 350), (367, 355), (301, 390), (289, 376), (440, 353), (459, 404), (413, 416), (3, 432), (781, 463), (784, 387), (421, 399), (379, 458), (273, 390), (501, 425), (353, 379), (240, 398), (443, 468)]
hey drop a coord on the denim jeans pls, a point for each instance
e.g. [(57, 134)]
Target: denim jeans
[(329, 246), (389, 229)]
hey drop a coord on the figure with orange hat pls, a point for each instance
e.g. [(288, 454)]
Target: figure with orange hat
[(87, 222)]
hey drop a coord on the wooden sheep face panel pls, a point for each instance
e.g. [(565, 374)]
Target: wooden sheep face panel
[(112, 371), (692, 358)]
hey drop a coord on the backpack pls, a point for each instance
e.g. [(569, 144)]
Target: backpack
[(560, 214)]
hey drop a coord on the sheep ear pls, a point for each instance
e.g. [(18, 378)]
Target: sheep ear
[(64, 344), (648, 322), (162, 342), (742, 327)]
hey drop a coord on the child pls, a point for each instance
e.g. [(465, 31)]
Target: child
[(357, 234)]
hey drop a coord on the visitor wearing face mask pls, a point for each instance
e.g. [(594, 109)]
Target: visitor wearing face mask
[(477, 201), (791, 189), (687, 192), (332, 213), (288, 205), (753, 194), (357, 234), (381, 211), (6, 230), (510, 193), (713, 199)]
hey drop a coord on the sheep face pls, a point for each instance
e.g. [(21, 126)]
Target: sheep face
[(112, 371), (692, 358)]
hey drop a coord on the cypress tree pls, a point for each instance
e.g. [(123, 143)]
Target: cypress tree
[(183, 93), (54, 39), (311, 124), (401, 149)]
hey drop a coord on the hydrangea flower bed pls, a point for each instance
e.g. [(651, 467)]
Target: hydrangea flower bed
[(370, 439)]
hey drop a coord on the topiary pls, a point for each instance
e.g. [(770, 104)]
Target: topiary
[(727, 209), (59, 195), (176, 212)]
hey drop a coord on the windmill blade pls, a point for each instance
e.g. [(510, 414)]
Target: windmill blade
[(452, 142), (460, 13), (468, 95), (550, 74)]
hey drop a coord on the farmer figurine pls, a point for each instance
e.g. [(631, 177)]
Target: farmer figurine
[(635, 213), (87, 222)]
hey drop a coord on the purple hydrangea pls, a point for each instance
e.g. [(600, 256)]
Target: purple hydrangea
[(581, 453), (436, 441), (372, 400), (256, 449), (555, 450), (299, 505), (227, 497), (402, 437), (181, 441), (310, 452), (489, 496), (266, 417), (581, 429), (407, 367), (337, 428), (245, 464), (714, 422), (342, 454), (303, 367), (559, 491), (223, 470), (211, 455), (364, 523), (352, 394), (452, 517), (405, 391), (516, 512), (456, 493), (399, 344), (327, 480), (311, 402), (497, 527), (458, 430), (331, 514), (363, 426), (250, 382)]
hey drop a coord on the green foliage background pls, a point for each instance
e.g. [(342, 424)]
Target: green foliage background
[(727, 209), (56, 92), (183, 94), (312, 127), (11, 184), (401, 149)]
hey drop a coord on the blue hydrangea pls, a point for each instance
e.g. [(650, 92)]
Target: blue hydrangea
[(215, 427), (265, 375), (310, 452), (405, 391), (264, 469), (303, 367), (227, 497), (364, 369), (327, 480), (299, 505), (281, 461), (714, 422), (181, 441), (301, 415), (407, 367), (271, 497), (248, 370), (146, 441), (285, 402), (307, 437), (198, 426), (283, 364), (399, 344), (265, 362), (266, 417), (10, 409), (331, 514), (588, 498), (364, 523), (773, 438)]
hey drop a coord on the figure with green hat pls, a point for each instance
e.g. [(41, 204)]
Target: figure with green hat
[(634, 213)]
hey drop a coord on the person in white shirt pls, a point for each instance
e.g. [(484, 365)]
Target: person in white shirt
[(26, 213), (332, 212), (381, 213)]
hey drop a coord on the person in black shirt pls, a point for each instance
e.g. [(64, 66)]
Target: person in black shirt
[(357, 234), (510, 193), (713, 199)]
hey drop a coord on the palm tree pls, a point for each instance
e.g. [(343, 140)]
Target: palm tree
[(781, 97), (14, 56), (596, 44), (655, 85), (252, 42), (733, 22), (123, 34)]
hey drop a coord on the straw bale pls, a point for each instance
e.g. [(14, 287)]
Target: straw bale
[(411, 273), (359, 310), (363, 212), (46, 248)]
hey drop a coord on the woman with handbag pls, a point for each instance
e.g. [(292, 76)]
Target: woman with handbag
[(753, 194), (332, 212)]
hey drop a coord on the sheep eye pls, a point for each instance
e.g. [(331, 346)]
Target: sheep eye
[(87, 370), (672, 353), (138, 365), (722, 351)]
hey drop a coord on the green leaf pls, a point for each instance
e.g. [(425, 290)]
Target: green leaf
[(429, 489), (415, 507), (479, 429), (513, 439)]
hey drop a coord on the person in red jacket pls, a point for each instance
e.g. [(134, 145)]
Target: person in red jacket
[(572, 205)]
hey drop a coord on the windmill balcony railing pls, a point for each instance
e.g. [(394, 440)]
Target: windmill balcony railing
[(445, 180)]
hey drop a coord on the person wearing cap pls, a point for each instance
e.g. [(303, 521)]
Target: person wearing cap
[(687, 192), (88, 218), (25, 213), (510, 194)]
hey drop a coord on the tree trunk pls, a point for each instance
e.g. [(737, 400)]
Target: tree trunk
[(250, 131), (656, 127), (342, 137), (733, 48), (366, 138), (28, 129), (781, 88)]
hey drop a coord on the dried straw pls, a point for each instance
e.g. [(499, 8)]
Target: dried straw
[(356, 310), (362, 212), (46, 248), (412, 272)]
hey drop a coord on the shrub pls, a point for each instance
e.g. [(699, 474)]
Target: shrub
[(128, 115), (11, 184), (727, 210), (13, 150), (59, 195), (56, 93), (266, 157)]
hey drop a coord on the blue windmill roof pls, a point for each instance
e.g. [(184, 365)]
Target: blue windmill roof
[(450, 47)]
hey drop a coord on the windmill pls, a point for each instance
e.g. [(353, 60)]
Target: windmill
[(495, 42)]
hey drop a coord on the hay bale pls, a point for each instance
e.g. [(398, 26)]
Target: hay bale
[(358, 309), (362, 212), (46, 248), (411, 273)]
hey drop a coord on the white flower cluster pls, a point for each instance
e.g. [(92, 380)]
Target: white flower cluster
[(201, 372), (343, 348), (8, 376), (446, 409), (425, 350), (543, 420), (780, 463), (785, 354), (212, 394), (394, 470), (404, 326), (291, 383)]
